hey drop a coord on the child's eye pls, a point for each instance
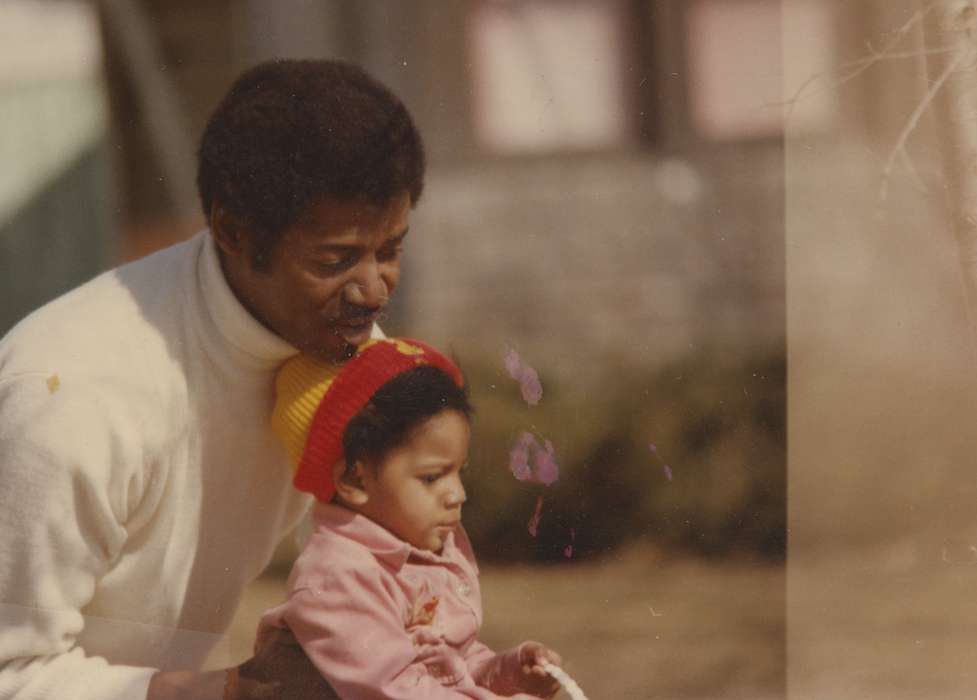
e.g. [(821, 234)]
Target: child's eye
[(429, 478)]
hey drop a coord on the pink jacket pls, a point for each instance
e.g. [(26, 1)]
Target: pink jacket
[(381, 619)]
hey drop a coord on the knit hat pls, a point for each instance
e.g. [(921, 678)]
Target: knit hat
[(315, 400)]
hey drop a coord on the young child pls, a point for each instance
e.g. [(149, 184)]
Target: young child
[(384, 598)]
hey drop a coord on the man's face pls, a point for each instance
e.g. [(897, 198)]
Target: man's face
[(328, 278), (417, 492)]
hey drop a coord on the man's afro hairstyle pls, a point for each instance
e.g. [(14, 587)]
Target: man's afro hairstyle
[(290, 132)]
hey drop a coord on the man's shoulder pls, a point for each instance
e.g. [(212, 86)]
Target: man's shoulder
[(99, 322)]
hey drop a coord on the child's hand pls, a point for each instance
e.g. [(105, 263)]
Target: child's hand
[(535, 680)]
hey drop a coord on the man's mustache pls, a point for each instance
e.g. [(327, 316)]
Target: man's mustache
[(355, 314)]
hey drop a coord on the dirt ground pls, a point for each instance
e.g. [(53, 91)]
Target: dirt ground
[(634, 625), (894, 622)]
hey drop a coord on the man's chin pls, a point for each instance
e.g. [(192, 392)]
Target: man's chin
[(355, 335), (338, 351), (337, 343)]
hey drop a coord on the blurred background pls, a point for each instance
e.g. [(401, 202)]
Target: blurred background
[(882, 562), (654, 204), (605, 200)]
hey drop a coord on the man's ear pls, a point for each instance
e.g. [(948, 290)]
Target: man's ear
[(228, 231), (349, 482)]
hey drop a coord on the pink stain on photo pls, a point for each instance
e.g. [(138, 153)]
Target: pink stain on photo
[(519, 457), (529, 384), (544, 460), (543, 470), (513, 363), (665, 468), (537, 514)]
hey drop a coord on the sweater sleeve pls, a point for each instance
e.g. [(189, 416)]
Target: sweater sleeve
[(500, 673), (62, 511), (352, 629)]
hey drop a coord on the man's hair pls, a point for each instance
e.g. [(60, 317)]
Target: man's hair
[(290, 132), (396, 409)]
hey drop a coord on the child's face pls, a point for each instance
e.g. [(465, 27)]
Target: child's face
[(416, 492)]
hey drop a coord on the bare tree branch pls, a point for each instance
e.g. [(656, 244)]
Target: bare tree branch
[(898, 150), (956, 113)]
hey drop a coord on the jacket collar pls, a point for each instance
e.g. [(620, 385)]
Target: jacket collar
[(389, 549)]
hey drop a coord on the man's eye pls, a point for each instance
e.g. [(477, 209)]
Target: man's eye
[(333, 265), (429, 478), (390, 253)]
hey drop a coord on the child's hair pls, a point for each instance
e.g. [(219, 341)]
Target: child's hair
[(361, 409), (396, 409)]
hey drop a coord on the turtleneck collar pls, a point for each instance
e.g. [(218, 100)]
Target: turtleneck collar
[(256, 345)]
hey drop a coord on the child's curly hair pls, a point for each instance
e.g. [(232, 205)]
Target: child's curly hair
[(396, 409)]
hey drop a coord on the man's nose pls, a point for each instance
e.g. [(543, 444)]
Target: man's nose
[(367, 287)]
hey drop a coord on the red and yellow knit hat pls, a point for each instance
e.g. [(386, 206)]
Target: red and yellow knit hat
[(315, 400)]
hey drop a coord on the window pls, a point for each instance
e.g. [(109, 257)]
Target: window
[(549, 75)]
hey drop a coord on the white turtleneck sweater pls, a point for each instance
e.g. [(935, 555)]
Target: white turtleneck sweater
[(141, 487)]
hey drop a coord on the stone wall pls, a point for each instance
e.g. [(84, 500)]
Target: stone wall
[(613, 261)]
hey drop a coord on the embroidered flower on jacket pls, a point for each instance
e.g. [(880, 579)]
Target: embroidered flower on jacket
[(424, 611)]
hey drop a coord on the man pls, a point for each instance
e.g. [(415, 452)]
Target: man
[(140, 485)]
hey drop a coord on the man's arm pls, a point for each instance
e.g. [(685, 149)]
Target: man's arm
[(278, 670), (181, 685), (63, 495), (59, 494)]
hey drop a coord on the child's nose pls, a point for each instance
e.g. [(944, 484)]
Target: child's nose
[(456, 494)]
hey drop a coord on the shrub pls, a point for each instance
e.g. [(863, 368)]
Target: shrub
[(718, 423)]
